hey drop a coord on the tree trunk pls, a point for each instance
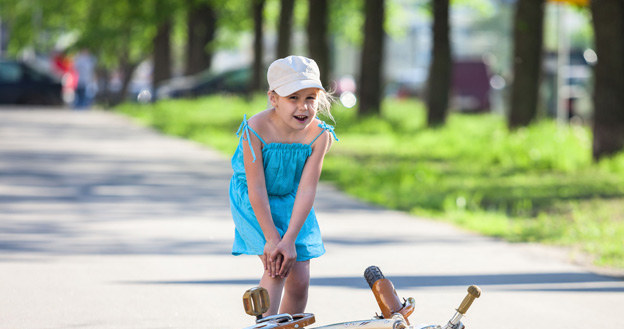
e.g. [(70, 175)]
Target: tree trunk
[(608, 127), (440, 69), (285, 28), (528, 36), (127, 69), (370, 88), (318, 42), (104, 95), (201, 24), (162, 53), (257, 81)]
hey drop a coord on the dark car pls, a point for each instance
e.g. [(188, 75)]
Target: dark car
[(205, 83), (471, 86), (21, 83)]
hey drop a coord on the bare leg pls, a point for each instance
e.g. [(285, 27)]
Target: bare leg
[(274, 286), (296, 288)]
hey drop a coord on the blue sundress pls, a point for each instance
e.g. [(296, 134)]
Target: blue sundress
[(283, 164)]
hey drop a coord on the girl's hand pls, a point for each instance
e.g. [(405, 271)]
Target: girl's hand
[(285, 256), (270, 264)]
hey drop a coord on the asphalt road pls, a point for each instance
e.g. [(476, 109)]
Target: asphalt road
[(105, 224)]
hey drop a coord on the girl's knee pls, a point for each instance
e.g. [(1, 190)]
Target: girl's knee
[(272, 280)]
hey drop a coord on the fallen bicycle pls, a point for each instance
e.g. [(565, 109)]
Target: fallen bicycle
[(394, 313)]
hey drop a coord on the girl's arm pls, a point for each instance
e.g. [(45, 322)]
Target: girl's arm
[(258, 197), (304, 200)]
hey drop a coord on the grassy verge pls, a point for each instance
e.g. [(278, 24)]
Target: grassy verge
[(534, 184)]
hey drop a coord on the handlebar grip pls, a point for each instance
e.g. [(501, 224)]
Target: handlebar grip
[(384, 292), (473, 293)]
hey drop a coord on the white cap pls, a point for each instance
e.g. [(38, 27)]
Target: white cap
[(293, 73)]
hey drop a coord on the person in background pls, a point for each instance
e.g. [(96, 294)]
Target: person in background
[(84, 64), (63, 65)]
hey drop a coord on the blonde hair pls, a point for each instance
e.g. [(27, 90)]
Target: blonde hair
[(325, 100)]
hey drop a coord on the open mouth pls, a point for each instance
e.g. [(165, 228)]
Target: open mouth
[(301, 118)]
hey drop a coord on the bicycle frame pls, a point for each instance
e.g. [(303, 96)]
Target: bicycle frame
[(397, 322)]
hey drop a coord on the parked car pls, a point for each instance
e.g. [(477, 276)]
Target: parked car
[(205, 83), (470, 86), (22, 83)]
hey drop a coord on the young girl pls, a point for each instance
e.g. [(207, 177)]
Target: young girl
[(277, 166)]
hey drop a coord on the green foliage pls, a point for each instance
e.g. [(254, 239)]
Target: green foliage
[(272, 14), (118, 31), (114, 30), (534, 184), (401, 18), (481, 7), (38, 24), (347, 20), (233, 17)]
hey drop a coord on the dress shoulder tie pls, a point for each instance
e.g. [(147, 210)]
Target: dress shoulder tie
[(325, 127), (243, 134)]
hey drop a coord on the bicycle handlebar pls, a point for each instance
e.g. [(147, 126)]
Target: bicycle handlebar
[(473, 293)]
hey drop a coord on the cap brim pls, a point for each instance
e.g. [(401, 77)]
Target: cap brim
[(293, 87)]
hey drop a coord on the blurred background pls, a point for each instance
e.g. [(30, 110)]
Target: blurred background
[(204, 46), (504, 116)]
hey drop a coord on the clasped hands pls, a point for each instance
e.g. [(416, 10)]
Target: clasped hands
[(279, 257)]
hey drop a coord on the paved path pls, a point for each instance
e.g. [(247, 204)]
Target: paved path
[(104, 224)]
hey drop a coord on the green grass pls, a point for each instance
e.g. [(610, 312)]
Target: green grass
[(535, 184)]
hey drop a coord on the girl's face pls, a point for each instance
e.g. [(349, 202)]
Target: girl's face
[(298, 109)]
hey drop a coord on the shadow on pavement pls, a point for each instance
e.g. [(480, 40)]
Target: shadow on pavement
[(555, 282)]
